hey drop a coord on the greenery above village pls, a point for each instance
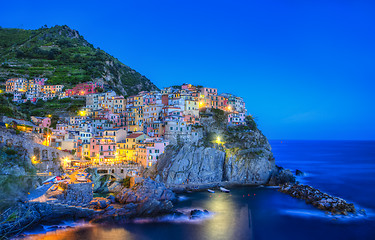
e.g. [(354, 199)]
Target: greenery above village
[(64, 57)]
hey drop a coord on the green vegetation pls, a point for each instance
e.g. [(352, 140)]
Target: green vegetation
[(250, 122), (219, 115), (125, 182), (8, 108), (64, 57), (52, 107)]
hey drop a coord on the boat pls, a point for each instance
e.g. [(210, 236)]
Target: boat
[(211, 191), (49, 180), (224, 190)]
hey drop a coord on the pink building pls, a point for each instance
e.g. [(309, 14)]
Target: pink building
[(83, 89), (155, 129), (148, 152), (43, 122), (191, 119), (208, 91), (154, 151), (102, 148), (149, 100)]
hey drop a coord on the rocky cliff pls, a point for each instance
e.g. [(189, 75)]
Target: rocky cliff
[(237, 155)]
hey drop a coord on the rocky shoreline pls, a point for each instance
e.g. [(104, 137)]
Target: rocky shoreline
[(145, 199), (321, 200)]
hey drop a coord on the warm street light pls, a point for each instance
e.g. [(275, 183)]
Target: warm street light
[(34, 161)]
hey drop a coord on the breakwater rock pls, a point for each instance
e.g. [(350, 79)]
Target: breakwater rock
[(319, 199)]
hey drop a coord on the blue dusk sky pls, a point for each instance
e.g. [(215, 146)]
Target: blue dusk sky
[(306, 69)]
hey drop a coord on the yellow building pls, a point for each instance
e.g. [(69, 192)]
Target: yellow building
[(126, 150), (85, 150), (191, 107)]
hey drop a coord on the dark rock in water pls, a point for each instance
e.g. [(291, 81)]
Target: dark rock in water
[(194, 214), (321, 200), (299, 173), (153, 207), (177, 214), (281, 176)]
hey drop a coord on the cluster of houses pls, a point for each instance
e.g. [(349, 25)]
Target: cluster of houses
[(32, 90), (112, 129)]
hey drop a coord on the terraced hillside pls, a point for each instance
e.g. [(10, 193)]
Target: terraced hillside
[(64, 57)]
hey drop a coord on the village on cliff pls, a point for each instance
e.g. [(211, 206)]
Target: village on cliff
[(114, 129)]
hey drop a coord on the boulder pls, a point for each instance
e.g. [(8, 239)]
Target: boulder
[(299, 173), (100, 203), (195, 214), (145, 189), (281, 176), (111, 198), (148, 197)]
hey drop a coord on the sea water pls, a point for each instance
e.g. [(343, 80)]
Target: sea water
[(341, 168)]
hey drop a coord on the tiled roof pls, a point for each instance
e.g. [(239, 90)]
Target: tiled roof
[(134, 135)]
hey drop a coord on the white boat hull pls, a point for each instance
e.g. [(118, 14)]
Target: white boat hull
[(224, 190)]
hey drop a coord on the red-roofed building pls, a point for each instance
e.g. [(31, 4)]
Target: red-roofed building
[(83, 89)]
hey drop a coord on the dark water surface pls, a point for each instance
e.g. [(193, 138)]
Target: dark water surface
[(342, 168)]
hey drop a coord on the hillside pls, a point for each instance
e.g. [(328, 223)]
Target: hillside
[(64, 57)]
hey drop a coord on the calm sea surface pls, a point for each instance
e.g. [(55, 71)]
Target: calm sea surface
[(342, 168)]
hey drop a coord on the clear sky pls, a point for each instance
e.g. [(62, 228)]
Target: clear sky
[(305, 68)]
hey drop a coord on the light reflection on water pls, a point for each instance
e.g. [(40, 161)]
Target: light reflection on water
[(265, 213), (85, 232)]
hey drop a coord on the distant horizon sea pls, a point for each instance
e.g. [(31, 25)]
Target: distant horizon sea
[(342, 168)]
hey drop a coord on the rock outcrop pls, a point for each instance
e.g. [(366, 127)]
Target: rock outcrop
[(152, 197), (281, 176), (77, 194), (145, 199), (224, 154)]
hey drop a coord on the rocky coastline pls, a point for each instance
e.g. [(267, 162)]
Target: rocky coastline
[(145, 199), (321, 200)]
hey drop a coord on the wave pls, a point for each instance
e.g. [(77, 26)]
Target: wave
[(42, 228), (185, 218), (320, 214), (182, 198)]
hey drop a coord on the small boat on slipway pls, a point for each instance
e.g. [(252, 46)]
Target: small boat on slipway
[(224, 190), (210, 190)]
